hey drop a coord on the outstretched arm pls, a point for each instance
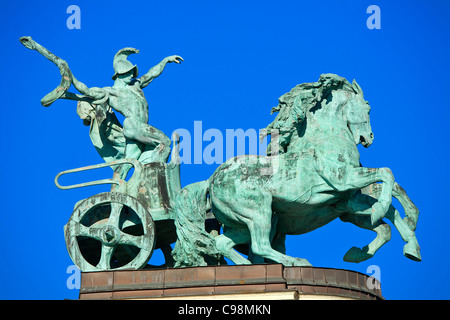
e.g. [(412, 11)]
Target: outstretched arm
[(157, 70), (96, 94), (66, 75), (76, 97)]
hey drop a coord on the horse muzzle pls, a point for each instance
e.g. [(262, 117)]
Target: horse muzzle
[(366, 141)]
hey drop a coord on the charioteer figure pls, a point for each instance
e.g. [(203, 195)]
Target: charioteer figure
[(125, 96), (136, 216)]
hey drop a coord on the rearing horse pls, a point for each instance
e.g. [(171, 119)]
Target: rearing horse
[(314, 178)]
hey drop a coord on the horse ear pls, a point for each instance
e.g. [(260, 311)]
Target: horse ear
[(356, 87)]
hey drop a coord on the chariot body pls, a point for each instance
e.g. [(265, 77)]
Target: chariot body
[(120, 229)]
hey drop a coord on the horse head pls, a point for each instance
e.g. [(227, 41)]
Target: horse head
[(304, 99), (357, 114)]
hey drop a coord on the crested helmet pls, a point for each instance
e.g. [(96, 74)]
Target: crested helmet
[(122, 65)]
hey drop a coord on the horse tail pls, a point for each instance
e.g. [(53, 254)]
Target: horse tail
[(194, 243)]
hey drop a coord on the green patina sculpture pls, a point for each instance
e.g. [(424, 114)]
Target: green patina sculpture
[(120, 229), (311, 176), (125, 96)]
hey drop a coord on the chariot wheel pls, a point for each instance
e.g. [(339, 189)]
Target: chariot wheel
[(110, 231)]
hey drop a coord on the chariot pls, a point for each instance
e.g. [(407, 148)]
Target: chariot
[(120, 229)]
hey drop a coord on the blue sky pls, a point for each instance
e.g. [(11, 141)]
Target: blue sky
[(239, 57)]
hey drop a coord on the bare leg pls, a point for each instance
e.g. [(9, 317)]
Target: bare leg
[(138, 135), (133, 150), (148, 135)]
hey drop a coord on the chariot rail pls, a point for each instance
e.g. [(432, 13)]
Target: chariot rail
[(137, 171)]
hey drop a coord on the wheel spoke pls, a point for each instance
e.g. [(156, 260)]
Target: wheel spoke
[(90, 232), (116, 209), (138, 241), (105, 258)]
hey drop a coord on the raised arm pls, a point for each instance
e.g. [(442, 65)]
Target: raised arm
[(66, 74), (97, 95), (157, 70)]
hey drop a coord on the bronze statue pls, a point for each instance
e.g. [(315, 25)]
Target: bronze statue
[(311, 176)]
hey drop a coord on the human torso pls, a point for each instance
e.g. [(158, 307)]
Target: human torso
[(129, 101)]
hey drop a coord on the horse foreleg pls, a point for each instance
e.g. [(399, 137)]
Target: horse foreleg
[(404, 226), (358, 212), (362, 177), (411, 211), (411, 249), (363, 220)]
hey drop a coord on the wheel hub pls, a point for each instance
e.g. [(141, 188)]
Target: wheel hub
[(110, 235)]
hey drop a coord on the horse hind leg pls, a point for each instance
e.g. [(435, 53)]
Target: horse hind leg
[(260, 227), (276, 244), (232, 237), (227, 240), (260, 246)]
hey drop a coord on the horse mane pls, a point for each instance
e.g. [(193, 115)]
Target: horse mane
[(293, 106)]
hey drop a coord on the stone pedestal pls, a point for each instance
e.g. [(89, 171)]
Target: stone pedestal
[(249, 282)]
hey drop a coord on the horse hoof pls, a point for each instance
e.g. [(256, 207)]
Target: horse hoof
[(412, 251), (299, 262), (356, 255)]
